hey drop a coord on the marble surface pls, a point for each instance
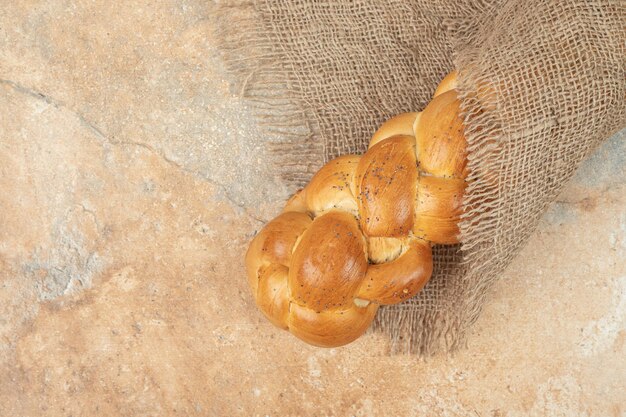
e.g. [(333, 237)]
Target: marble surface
[(132, 178)]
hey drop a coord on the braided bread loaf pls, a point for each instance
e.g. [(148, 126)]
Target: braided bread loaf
[(359, 234)]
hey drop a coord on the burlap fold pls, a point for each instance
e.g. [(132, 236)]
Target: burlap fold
[(542, 84)]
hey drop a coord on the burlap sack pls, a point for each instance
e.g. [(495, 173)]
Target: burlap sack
[(542, 84)]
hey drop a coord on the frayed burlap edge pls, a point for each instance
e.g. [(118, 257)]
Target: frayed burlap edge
[(492, 135), (263, 78)]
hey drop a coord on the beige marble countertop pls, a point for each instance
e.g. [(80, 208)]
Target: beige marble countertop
[(131, 180)]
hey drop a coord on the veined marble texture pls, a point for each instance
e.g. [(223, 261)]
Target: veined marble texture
[(131, 181)]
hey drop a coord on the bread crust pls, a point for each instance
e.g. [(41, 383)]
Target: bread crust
[(359, 235)]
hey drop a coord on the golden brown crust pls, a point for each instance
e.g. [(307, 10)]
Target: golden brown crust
[(272, 295), (439, 209), (297, 202), (398, 280), (330, 328), (331, 186), (274, 243), (401, 124), (441, 145), (448, 83), (329, 262), (385, 179), (374, 219)]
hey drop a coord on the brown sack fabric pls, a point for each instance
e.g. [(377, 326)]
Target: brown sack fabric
[(542, 84)]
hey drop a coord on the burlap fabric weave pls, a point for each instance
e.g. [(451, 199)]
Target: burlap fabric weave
[(542, 84)]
